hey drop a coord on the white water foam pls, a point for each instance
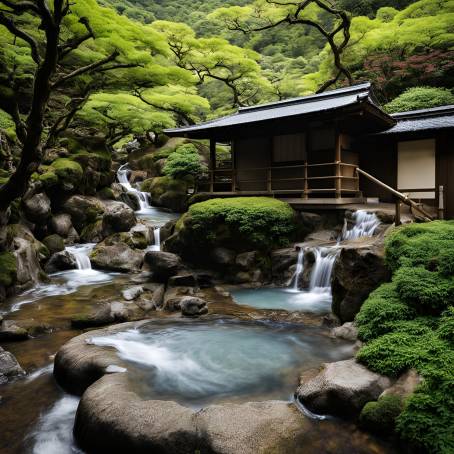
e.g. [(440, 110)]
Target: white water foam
[(365, 226)]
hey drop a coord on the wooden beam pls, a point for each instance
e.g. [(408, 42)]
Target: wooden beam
[(338, 159)]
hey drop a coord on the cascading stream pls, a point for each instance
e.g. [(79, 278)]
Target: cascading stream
[(365, 226), (142, 197), (81, 253), (323, 268)]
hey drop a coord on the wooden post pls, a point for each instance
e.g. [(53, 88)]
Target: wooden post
[(306, 182), (212, 163), (441, 202), (397, 218), (338, 157), (269, 183), (233, 180)]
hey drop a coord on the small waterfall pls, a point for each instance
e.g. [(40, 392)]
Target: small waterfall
[(81, 252), (142, 197), (323, 268), (157, 240), (299, 269), (365, 226)]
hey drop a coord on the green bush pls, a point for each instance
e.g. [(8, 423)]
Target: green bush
[(184, 162), (259, 221), (380, 313), (425, 290), (446, 327), (420, 98), (380, 416)]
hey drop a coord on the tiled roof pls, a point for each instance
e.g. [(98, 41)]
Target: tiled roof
[(329, 100)]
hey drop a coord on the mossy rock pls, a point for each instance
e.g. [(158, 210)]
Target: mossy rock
[(93, 232), (97, 160), (54, 243), (106, 193), (380, 417), (168, 192), (67, 170), (8, 268), (48, 179)]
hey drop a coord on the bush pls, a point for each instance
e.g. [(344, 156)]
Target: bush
[(184, 162), (380, 313), (446, 327), (380, 416), (420, 98)]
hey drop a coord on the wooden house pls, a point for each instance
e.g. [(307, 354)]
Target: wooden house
[(333, 149)]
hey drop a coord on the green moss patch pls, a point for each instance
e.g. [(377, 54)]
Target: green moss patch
[(67, 170), (7, 268), (380, 416)]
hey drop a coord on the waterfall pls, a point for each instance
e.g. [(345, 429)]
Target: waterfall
[(80, 252), (299, 269), (142, 197), (323, 268), (157, 240), (365, 226)]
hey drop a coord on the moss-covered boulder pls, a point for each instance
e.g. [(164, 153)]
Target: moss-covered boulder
[(37, 208), (54, 243), (239, 224), (83, 210), (380, 416), (7, 269), (167, 192)]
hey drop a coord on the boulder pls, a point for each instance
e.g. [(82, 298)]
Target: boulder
[(167, 229), (118, 217), (359, 269), (169, 193), (54, 243), (173, 296), (61, 224), (222, 256), (341, 388), (119, 257), (163, 264), (37, 208), (9, 367), (132, 293), (191, 306), (246, 260), (93, 233), (281, 262), (348, 331), (61, 261), (405, 385), (10, 331), (83, 210), (141, 236), (185, 280)]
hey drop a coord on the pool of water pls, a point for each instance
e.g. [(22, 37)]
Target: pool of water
[(317, 301), (204, 363), (157, 216)]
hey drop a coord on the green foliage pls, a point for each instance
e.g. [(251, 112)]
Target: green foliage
[(7, 268), (420, 98), (184, 162), (380, 416), (265, 222), (398, 339)]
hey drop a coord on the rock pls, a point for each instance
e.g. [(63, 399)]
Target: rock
[(185, 280), (93, 233), (10, 331), (118, 217), (347, 331), (100, 317), (9, 367), (132, 293), (222, 256), (83, 210), (358, 270), (141, 235), (191, 306), (119, 257), (174, 295), (61, 261), (169, 193), (281, 261), (37, 208), (341, 388), (311, 221), (158, 296), (163, 264), (61, 224), (322, 236), (167, 229), (246, 260), (54, 243), (405, 385), (380, 417)]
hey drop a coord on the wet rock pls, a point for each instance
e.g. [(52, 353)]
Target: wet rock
[(37, 208), (405, 385), (118, 217), (141, 236), (9, 367), (10, 331), (61, 224), (93, 233), (323, 236), (347, 331), (281, 262), (163, 265), (186, 280), (83, 210), (246, 260), (311, 221), (222, 256), (54, 243), (100, 317), (132, 293), (173, 296), (358, 270), (61, 261), (119, 257), (341, 388), (167, 229), (191, 306), (158, 296)]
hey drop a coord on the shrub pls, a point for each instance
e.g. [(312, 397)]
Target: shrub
[(380, 416), (184, 162), (420, 98), (381, 311), (446, 327), (425, 290)]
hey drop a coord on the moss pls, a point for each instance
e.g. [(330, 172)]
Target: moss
[(380, 416), (54, 243), (146, 185), (106, 193), (97, 160), (8, 268), (67, 170), (48, 179)]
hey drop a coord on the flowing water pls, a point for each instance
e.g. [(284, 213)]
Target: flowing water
[(365, 225)]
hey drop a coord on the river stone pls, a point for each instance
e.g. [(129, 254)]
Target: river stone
[(163, 264), (10, 331), (281, 262), (118, 257), (9, 367), (61, 261), (37, 208), (192, 306), (54, 243), (167, 229), (61, 224), (118, 217), (132, 293), (83, 210), (405, 385), (341, 388), (347, 331), (358, 270)]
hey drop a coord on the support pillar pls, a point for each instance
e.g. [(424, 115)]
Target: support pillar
[(212, 163)]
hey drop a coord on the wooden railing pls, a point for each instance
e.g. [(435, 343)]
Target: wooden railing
[(299, 178)]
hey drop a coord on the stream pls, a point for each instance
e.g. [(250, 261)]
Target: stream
[(201, 363)]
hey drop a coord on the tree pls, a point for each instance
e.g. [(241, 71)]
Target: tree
[(420, 98), (185, 162), (332, 23)]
